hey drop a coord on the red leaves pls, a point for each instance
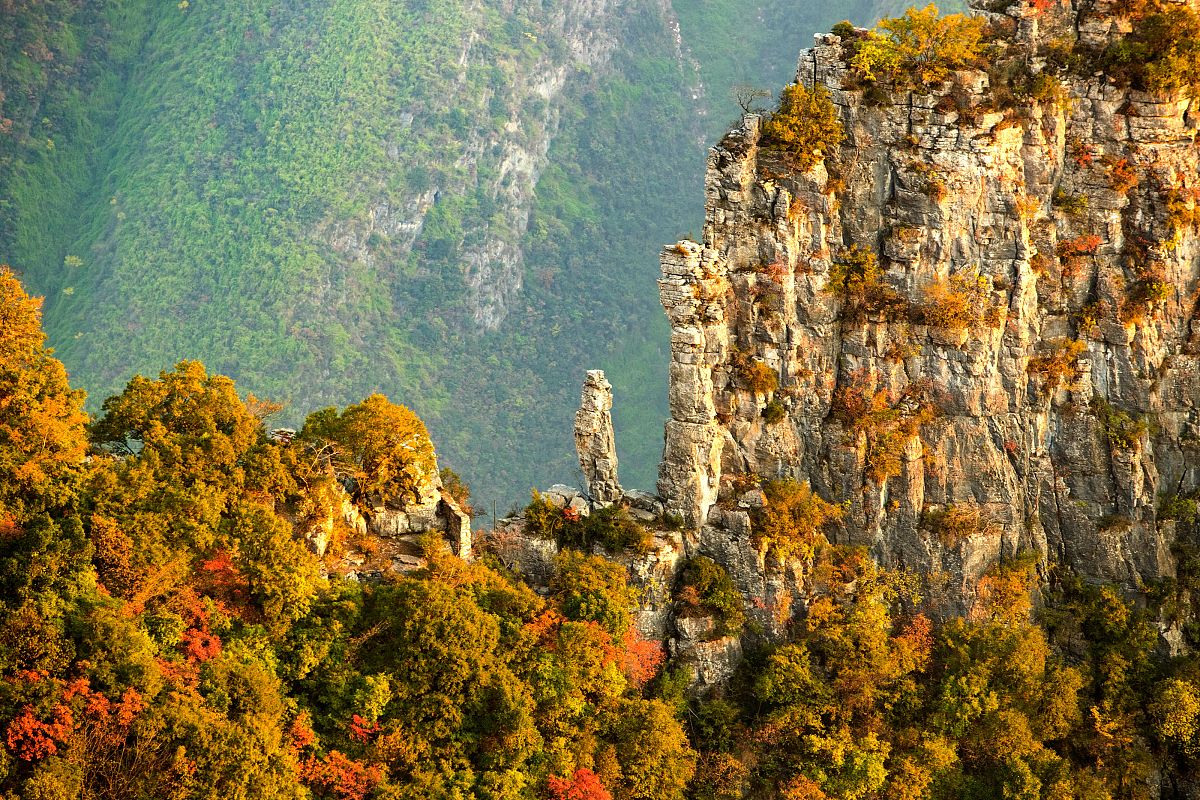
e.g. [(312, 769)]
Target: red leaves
[(30, 739), (199, 645), (361, 730), (582, 785), (1086, 245), (78, 708), (641, 658), (544, 628), (340, 777), (301, 734), (218, 577), (571, 514)]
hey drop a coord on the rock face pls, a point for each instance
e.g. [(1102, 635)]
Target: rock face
[(1060, 414), (397, 529), (594, 439)]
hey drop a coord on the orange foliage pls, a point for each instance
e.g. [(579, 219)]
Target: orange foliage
[(300, 733), (582, 785), (544, 628), (361, 730), (219, 578), (642, 658), (200, 645), (802, 788), (1003, 596), (30, 739), (339, 776)]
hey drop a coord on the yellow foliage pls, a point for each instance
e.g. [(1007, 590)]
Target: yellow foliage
[(920, 47), (42, 442), (806, 126)]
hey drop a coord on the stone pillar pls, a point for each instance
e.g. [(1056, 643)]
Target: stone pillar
[(594, 440)]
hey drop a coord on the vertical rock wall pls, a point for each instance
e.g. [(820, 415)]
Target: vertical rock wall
[(939, 185)]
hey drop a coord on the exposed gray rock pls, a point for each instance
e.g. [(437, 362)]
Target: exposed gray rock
[(941, 185), (594, 439)]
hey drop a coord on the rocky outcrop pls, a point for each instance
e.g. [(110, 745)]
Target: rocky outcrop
[(594, 439), (378, 537), (1060, 414)]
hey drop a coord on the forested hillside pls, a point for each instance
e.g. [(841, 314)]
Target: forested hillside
[(456, 202), (166, 631)]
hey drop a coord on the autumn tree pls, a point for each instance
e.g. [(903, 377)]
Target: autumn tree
[(791, 521), (42, 442), (919, 48), (382, 448), (805, 127)]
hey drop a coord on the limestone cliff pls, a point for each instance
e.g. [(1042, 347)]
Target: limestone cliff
[(1021, 376), (1058, 418)]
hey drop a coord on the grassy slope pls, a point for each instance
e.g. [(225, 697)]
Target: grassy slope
[(204, 155)]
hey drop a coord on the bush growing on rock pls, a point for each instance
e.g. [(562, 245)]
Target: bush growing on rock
[(962, 302), (1123, 431), (790, 523), (543, 519), (1150, 288), (920, 47), (381, 447), (706, 588), (881, 423), (856, 279), (1058, 367), (957, 522), (1162, 55), (805, 128), (753, 375), (610, 527), (1172, 506)]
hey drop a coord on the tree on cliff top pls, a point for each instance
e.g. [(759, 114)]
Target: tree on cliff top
[(920, 47), (383, 447)]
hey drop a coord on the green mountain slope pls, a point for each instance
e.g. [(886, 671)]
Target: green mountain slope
[(450, 201)]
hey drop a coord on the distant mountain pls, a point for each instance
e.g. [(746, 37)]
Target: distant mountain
[(456, 202)]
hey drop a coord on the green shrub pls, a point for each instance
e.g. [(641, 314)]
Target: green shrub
[(856, 279), (705, 587), (1069, 203), (610, 527), (543, 518), (1123, 431), (1161, 55), (805, 128), (845, 29), (592, 589), (1172, 506), (774, 412)]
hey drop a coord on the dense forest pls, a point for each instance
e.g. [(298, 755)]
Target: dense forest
[(325, 175), (165, 632)]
